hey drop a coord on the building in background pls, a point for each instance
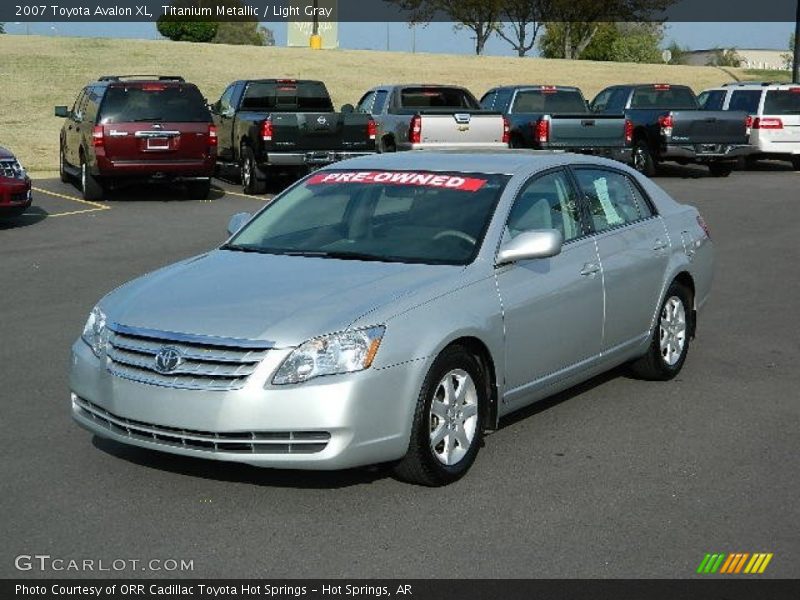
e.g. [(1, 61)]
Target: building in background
[(752, 58)]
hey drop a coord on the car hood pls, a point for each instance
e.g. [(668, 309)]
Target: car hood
[(283, 300)]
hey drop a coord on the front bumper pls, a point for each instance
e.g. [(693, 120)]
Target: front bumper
[(331, 422), (15, 194), (313, 159), (706, 152)]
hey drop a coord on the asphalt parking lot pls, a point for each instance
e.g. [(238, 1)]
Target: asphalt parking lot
[(618, 478)]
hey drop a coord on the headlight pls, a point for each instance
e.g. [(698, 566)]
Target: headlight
[(95, 333), (344, 352)]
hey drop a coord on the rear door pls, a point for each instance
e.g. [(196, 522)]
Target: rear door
[(782, 106), (154, 121), (633, 248), (72, 130)]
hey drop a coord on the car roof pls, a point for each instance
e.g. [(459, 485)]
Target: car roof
[(505, 162)]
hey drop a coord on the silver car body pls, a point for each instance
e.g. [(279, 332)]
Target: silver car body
[(545, 325), (454, 128)]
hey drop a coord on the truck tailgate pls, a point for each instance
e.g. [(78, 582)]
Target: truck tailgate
[(462, 128), (320, 131), (709, 127), (578, 131)]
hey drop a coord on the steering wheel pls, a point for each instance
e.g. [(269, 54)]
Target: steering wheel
[(457, 234)]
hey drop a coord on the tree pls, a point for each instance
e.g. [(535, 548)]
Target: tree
[(482, 17), (522, 17), (2, 27), (724, 58), (245, 33), (679, 53), (186, 31)]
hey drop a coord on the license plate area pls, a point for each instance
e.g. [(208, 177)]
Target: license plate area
[(157, 143), (709, 149)]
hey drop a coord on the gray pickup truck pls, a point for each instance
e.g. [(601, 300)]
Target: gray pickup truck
[(423, 116), (549, 117)]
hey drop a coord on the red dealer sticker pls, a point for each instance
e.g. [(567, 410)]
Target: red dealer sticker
[(437, 180)]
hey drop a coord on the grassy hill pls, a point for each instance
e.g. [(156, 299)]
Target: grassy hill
[(40, 72)]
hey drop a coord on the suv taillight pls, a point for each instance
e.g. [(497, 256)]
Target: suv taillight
[(506, 131), (266, 130), (415, 130), (98, 137), (213, 140), (628, 132), (767, 123), (541, 131), (372, 129), (666, 123), (748, 122)]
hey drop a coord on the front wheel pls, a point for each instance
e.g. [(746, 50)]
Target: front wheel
[(720, 169), (253, 180), (643, 160), (448, 422), (669, 344)]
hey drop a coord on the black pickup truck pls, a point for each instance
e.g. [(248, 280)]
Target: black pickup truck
[(274, 125), (550, 117), (668, 125)]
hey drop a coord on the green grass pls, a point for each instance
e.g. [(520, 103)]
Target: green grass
[(765, 75)]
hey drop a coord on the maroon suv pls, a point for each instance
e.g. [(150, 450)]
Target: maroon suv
[(15, 186), (138, 129)]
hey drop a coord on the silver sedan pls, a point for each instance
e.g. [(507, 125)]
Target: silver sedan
[(393, 308)]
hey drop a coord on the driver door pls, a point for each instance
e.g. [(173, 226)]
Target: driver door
[(552, 307)]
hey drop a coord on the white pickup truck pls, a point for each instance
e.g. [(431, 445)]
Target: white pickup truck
[(422, 116)]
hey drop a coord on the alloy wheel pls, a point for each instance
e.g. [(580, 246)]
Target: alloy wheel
[(453, 417), (672, 331)]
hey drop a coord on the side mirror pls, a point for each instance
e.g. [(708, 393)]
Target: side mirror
[(237, 222), (542, 243), (62, 112), (347, 108)]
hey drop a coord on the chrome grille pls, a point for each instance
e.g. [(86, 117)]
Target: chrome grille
[(243, 442), (10, 168), (206, 363)]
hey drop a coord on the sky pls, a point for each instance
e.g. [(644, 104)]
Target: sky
[(440, 37)]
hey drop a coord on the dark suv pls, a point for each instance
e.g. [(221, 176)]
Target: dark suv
[(138, 128), (15, 186)]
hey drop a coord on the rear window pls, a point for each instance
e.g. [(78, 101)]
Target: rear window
[(290, 96), (154, 102), (421, 97), (782, 102), (745, 100), (675, 98), (543, 101)]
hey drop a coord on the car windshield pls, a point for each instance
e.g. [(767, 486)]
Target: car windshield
[(154, 102), (782, 102), (390, 216)]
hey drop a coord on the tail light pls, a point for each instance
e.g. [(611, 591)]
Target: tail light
[(372, 129), (213, 140), (541, 131), (704, 226), (767, 123), (415, 130), (748, 122), (666, 123), (266, 130), (506, 131), (98, 137), (628, 132)]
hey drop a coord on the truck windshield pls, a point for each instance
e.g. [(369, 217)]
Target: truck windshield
[(782, 102), (287, 96), (550, 102), (439, 97), (664, 97), (154, 102), (387, 216)]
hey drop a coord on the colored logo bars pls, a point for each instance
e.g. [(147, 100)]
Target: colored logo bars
[(734, 563)]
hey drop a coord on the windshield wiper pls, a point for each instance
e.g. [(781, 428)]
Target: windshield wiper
[(237, 248)]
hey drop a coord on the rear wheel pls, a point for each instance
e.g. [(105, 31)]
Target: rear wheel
[(448, 421), (720, 169), (643, 160), (253, 180), (198, 190), (796, 163), (387, 145), (92, 189), (669, 344)]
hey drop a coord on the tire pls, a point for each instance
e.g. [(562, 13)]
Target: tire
[(436, 462), (796, 163), (91, 188), (253, 179), (198, 190), (387, 145), (720, 170), (662, 362), (62, 166), (643, 160)]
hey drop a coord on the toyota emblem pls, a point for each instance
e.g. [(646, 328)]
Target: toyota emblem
[(168, 359)]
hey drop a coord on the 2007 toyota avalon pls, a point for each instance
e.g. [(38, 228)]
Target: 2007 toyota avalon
[(393, 308)]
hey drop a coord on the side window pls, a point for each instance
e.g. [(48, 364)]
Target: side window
[(612, 198), (487, 102), (225, 105), (380, 101), (547, 202), (365, 104), (77, 108), (502, 100), (600, 102), (712, 100), (618, 100)]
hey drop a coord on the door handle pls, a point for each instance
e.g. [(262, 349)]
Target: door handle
[(660, 245), (590, 269)]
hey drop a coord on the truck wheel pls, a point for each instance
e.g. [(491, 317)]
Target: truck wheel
[(92, 189), (448, 421), (387, 145), (198, 190), (796, 163), (720, 169), (253, 179), (643, 160)]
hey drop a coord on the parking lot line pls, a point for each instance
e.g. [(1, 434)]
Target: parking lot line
[(96, 206), (248, 196)]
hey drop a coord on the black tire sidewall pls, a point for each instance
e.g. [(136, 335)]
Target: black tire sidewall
[(649, 166)]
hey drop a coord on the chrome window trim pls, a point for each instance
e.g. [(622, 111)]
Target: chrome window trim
[(170, 336)]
